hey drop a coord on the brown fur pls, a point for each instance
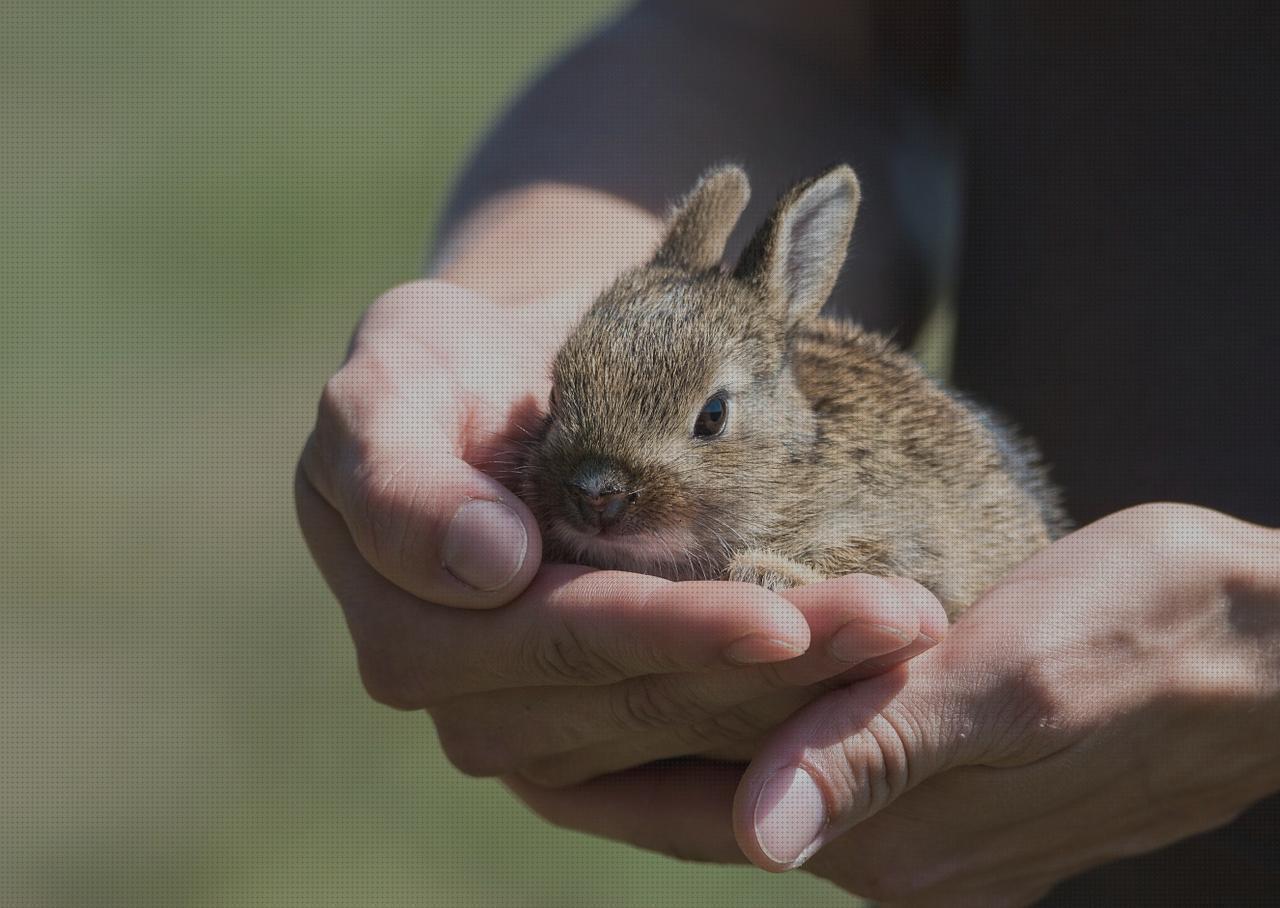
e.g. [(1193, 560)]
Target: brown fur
[(839, 454)]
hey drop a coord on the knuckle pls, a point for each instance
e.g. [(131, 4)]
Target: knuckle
[(774, 680), (371, 487), (368, 482), (1174, 529), (874, 766), (738, 725), (646, 703), (404, 301), (470, 753), (1208, 682), (333, 396), (304, 491), (394, 682), (380, 497), (559, 772), (1172, 513), (383, 690), (342, 402), (359, 409), (563, 657), (323, 452)]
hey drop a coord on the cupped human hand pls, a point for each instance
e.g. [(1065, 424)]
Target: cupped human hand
[(413, 432), (561, 673), (1118, 692)]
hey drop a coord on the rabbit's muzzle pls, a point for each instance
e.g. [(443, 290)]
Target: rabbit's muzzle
[(600, 497)]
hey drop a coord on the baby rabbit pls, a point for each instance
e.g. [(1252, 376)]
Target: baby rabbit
[(707, 423)]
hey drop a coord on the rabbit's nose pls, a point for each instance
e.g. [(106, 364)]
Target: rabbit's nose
[(601, 507)]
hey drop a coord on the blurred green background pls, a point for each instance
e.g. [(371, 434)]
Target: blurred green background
[(196, 202)]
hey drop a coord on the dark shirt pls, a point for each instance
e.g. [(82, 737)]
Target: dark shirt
[(1119, 294)]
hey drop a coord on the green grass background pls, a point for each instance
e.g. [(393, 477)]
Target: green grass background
[(196, 202)]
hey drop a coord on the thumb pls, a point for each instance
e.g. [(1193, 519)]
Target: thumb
[(431, 524), (385, 453), (840, 760)]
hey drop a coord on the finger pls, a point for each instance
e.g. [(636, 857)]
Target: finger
[(572, 626), (680, 808), (733, 734), (872, 623), (387, 458), (635, 721), (839, 761)]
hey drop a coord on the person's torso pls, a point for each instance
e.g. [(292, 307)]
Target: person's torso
[(1119, 294), (1120, 269)]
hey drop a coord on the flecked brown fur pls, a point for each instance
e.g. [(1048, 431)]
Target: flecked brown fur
[(839, 454)]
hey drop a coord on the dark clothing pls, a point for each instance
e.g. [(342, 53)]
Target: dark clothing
[(1119, 295), (1120, 276)]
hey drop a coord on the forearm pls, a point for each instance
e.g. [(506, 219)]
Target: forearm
[(545, 240), (569, 187)]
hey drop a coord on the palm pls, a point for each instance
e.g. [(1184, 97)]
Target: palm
[(479, 373)]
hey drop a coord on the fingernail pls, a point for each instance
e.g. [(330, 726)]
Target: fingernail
[(755, 649), (485, 544), (790, 814), (858, 640), (922, 643)]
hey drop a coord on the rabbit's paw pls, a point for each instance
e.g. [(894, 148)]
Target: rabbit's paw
[(769, 570)]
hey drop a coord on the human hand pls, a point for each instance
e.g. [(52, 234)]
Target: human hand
[(583, 672), (1120, 691), (413, 430)]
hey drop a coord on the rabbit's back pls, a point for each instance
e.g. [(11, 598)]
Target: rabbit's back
[(907, 478)]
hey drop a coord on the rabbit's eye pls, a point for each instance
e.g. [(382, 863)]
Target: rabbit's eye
[(712, 419)]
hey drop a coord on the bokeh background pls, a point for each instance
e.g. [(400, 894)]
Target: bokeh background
[(196, 202)]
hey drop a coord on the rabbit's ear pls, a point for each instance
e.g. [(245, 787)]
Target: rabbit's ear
[(700, 225), (797, 254)]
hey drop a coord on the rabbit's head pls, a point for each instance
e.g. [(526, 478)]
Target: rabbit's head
[(675, 431)]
